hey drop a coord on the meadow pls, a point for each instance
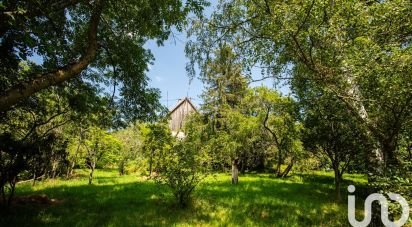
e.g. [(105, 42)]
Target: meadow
[(130, 200)]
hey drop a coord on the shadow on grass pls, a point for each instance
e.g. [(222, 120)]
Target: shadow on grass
[(257, 200), (269, 201)]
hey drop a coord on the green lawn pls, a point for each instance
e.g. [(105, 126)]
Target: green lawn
[(259, 200)]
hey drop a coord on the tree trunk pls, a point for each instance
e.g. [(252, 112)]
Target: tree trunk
[(150, 163), (12, 188), (73, 164), (375, 170), (92, 166), (288, 168), (276, 140), (122, 167), (235, 172), (34, 178), (25, 89), (388, 150), (279, 164), (54, 169), (3, 194), (70, 170), (375, 160), (337, 181)]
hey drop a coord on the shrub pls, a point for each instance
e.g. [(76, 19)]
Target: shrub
[(182, 168)]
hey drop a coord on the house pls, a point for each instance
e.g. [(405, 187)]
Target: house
[(178, 116)]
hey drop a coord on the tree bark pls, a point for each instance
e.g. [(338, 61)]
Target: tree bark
[(277, 143), (34, 178), (70, 170), (3, 194), (288, 168), (92, 166), (150, 163), (388, 150), (54, 168), (122, 167), (24, 90), (235, 172), (12, 189), (375, 160), (337, 182), (71, 167), (279, 164)]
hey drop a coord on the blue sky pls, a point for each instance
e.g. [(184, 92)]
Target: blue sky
[(168, 72), (169, 75)]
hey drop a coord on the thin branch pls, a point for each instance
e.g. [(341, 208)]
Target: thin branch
[(35, 125), (54, 127), (270, 130)]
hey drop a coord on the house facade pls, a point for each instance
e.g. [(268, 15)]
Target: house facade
[(178, 116)]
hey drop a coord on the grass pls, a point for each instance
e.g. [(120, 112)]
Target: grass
[(112, 200)]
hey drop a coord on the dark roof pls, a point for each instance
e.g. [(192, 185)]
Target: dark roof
[(181, 102)]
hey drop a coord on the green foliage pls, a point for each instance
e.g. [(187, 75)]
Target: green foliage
[(226, 86), (102, 147), (332, 133), (157, 142), (182, 168), (278, 117), (94, 148), (106, 35), (40, 155), (181, 165), (358, 52), (131, 157), (227, 132)]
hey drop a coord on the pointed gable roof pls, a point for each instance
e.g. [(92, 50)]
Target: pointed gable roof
[(186, 99)]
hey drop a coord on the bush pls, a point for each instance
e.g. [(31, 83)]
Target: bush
[(182, 168)]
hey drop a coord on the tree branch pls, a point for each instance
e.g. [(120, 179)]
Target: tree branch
[(270, 130), (35, 125), (25, 89)]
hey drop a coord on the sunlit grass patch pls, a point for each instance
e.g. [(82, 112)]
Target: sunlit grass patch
[(113, 200)]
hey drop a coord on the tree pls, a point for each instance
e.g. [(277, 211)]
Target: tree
[(181, 169), (34, 135), (158, 140), (226, 86), (358, 51), (102, 148), (17, 156), (186, 163), (58, 113), (132, 152), (225, 89), (279, 117), (100, 40), (331, 131), (75, 151)]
